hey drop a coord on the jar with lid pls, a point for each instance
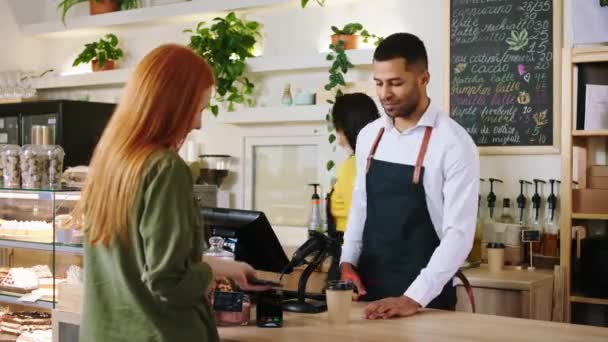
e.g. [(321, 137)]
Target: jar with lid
[(231, 307), (10, 155), (216, 249), (55, 156), (34, 167)]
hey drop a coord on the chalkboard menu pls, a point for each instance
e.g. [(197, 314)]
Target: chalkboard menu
[(501, 71)]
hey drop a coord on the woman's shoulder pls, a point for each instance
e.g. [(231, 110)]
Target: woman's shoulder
[(348, 168), (165, 161)]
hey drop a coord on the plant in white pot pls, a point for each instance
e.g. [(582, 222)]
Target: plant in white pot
[(102, 54), (99, 6)]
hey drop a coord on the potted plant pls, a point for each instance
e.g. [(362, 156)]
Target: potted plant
[(305, 2), (226, 44), (98, 6), (102, 53), (348, 34)]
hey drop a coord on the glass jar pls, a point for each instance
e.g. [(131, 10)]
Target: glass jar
[(34, 167), (11, 168), (229, 314), (230, 307), (55, 156), (216, 249)]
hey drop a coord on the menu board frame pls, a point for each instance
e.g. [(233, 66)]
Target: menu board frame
[(557, 95)]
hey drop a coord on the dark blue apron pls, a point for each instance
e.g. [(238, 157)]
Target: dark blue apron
[(399, 237)]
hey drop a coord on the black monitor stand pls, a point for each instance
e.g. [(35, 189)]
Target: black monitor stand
[(301, 304)]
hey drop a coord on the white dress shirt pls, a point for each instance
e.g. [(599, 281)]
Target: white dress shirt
[(451, 184)]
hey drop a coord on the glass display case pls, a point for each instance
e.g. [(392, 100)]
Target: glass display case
[(40, 247)]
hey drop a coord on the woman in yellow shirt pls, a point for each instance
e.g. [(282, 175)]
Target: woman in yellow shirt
[(350, 113)]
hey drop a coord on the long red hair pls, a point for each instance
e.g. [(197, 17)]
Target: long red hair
[(158, 108)]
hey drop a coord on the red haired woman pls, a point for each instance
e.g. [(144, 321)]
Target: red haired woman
[(144, 278)]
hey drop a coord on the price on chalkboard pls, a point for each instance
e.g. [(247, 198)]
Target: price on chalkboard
[(501, 71), (530, 236)]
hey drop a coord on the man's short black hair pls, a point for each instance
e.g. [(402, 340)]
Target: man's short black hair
[(352, 112), (402, 45)]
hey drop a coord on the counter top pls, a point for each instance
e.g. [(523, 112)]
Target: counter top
[(509, 278), (428, 326)]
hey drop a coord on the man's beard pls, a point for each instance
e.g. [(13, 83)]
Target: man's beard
[(405, 112)]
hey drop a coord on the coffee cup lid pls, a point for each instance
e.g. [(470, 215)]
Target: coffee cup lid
[(340, 285), (495, 245)]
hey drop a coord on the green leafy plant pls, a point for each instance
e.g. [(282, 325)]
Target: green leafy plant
[(339, 67), (65, 5), (305, 2), (102, 51), (353, 29), (517, 41), (226, 44)]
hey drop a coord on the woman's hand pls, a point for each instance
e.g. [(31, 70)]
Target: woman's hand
[(240, 272)]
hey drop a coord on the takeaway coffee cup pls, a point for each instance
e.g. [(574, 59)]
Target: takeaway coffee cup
[(339, 298), (496, 256)]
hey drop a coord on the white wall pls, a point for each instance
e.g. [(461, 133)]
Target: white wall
[(17, 52), (287, 30)]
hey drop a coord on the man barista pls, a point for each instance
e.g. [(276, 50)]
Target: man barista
[(412, 220)]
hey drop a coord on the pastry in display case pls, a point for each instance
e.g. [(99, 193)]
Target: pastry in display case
[(40, 255)]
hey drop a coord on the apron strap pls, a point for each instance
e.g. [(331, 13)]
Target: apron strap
[(467, 287), (372, 151), (421, 154)]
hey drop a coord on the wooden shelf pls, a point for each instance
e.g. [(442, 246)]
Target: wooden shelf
[(582, 216), (90, 79), (583, 133), (183, 11), (262, 64), (301, 62), (588, 300), (273, 115)]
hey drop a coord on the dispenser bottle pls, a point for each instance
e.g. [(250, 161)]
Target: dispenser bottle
[(315, 223), (489, 234), (522, 202), (550, 241), (506, 216), (535, 216), (475, 254)]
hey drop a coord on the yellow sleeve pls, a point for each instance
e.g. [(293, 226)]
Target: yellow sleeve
[(342, 196)]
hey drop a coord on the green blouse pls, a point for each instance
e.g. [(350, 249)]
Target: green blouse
[(154, 288)]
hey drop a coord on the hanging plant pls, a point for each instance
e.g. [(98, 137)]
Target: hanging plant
[(226, 44), (305, 2), (339, 67)]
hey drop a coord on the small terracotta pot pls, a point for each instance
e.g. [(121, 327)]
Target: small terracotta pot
[(103, 6), (108, 65), (350, 41)]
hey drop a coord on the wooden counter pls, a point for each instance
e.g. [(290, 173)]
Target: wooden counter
[(512, 293), (430, 325)]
